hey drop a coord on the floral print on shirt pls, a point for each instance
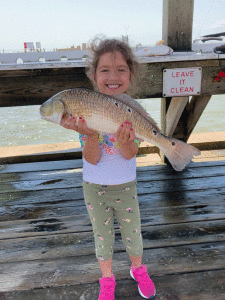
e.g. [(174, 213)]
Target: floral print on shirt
[(107, 141)]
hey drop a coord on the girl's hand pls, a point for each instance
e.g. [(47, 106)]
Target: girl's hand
[(69, 122), (124, 134)]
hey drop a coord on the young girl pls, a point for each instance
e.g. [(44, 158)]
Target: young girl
[(109, 171)]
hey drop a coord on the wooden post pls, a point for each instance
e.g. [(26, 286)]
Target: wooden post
[(175, 110), (177, 24), (177, 34), (164, 108)]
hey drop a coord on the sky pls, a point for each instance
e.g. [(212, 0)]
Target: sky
[(63, 23)]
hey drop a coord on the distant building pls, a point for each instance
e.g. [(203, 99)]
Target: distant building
[(67, 49), (84, 47)]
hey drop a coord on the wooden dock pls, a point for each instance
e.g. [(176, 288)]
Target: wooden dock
[(47, 246)]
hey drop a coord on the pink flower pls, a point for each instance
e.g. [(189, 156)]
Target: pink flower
[(90, 206), (101, 238), (129, 209), (112, 140)]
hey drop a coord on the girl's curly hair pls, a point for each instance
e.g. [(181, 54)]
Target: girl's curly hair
[(100, 46)]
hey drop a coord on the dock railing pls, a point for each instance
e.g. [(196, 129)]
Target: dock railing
[(179, 114)]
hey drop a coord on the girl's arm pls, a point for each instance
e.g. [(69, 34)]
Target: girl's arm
[(125, 136), (129, 150), (91, 151)]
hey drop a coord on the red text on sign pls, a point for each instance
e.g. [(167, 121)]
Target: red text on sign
[(183, 74), (181, 90)]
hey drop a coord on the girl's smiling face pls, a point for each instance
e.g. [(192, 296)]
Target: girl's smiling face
[(112, 74)]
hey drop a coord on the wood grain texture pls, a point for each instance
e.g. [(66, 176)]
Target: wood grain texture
[(33, 87), (47, 246), (177, 24)]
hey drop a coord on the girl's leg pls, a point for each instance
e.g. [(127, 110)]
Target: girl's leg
[(102, 219), (136, 261), (128, 216), (106, 267)]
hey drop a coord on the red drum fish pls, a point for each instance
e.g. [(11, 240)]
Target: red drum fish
[(105, 113)]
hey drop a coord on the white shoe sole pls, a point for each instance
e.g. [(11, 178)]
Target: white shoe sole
[(152, 297)]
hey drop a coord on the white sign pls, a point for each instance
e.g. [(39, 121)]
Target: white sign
[(182, 82)]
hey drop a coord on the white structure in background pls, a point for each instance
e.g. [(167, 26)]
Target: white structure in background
[(38, 46), (28, 46), (207, 43)]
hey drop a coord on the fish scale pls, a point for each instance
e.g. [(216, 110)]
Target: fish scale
[(105, 113)]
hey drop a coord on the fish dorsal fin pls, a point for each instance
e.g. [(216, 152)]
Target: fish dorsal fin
[(126, 99)]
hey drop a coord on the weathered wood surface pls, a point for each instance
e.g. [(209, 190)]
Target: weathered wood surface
[(182, 126), (196, 108), (127, 289), (77, 153), (174, 113), (177, 24), (33, 87), (47, 245)]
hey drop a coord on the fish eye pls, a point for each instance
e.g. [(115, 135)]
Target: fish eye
[(129, 109)]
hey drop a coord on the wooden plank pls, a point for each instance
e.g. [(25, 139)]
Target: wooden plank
[(206, 285), (56, 246), (77, 154), (155, 187), (163, 111), (34, 90), (177, 24), (45, 204), (42, 180), (44, 166), (27, 69), (52, 156), (181, 207), (203, 170), (70, 164), (68, 182), (85, 269), (174, 113), (55, 219), (190, 117), (152, 85), (196, 108)]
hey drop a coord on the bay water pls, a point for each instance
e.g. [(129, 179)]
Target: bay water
[(24, 126)]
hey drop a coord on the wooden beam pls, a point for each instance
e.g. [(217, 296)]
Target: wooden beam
[(176, 108), (164, 103), (177, 24), (196, 108), (19, 88)]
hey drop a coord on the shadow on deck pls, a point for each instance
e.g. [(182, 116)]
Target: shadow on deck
[(47, 245)]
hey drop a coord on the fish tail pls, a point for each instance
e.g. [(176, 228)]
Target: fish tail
[(179, 153)]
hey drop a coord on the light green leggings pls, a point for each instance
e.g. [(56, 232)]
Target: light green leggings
[(105, 201)]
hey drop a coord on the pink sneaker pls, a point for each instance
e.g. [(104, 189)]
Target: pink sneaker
[(146, 287), (107, 288)]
